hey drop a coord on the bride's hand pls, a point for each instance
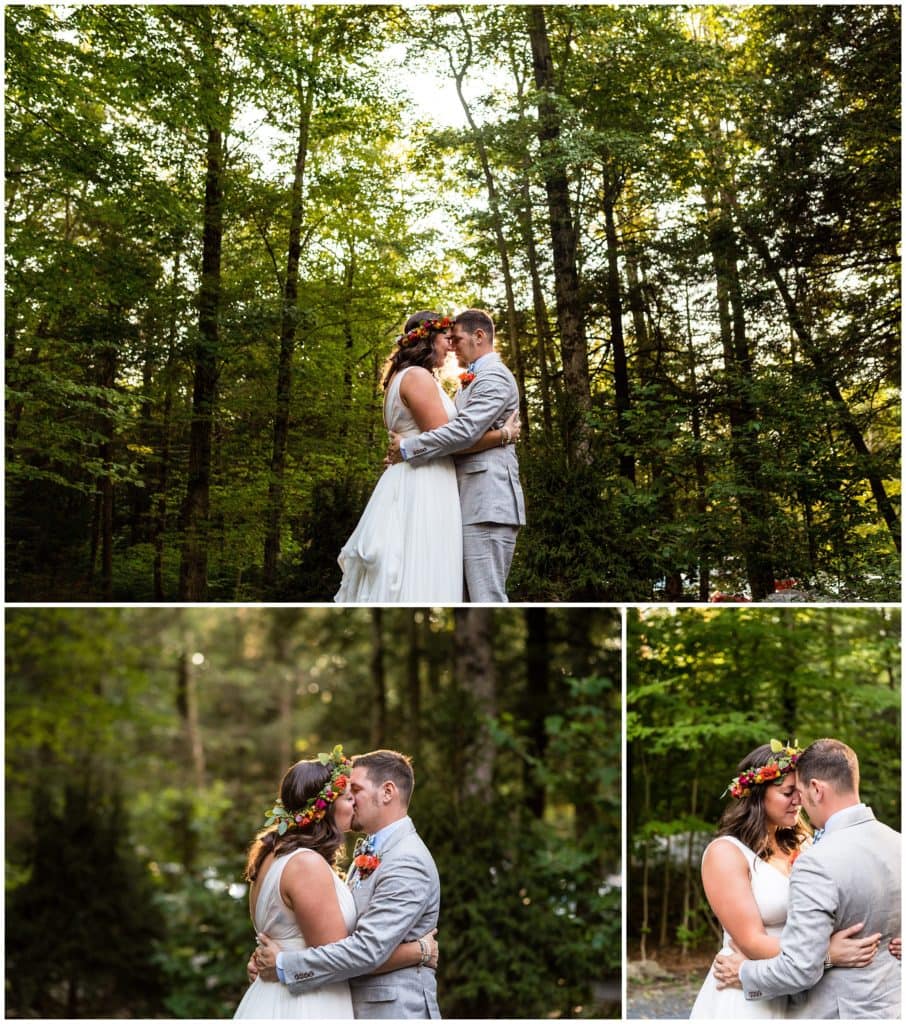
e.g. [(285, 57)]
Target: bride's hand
[(393, 455), (433, 948), (266, 957), (251, 969), (847, 951), (513, 425), (896, 947), (726, 969)]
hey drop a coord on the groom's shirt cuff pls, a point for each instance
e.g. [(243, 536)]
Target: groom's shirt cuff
[(403, 450), (281, 974)]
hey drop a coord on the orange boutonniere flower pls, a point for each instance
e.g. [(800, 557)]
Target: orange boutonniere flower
[(466, 378), (794, 855), (367, 864)]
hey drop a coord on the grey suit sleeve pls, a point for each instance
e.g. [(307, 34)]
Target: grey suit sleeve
[(489, 395), (396, 904), (809, 924)]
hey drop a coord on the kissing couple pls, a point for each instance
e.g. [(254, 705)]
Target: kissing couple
[(443, 519), (331, 948), (792, 901)]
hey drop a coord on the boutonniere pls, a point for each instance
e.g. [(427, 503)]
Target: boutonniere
[(366, 864), (466, 378)]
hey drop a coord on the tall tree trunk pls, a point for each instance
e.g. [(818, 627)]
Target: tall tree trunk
[(163, 476), (282, 630), (754, 511), (193, 570), (525, 220), (564, 235), (187, 707), (140, 497), (349, 273), (378, 681), (618, 343), (649, 348), (503, 254), (476, 675), (305, 92), (106, 378), (826, 378), (414, 686), (536, 703), (701, 472)]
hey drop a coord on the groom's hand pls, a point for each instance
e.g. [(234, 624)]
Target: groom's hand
[(266, 958), (726, 969), (393, 455)]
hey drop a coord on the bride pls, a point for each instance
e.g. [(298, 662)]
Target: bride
[(296, 895), (407, 545), (746, 872)]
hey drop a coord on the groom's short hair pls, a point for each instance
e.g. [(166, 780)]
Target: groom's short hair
[(830, 761), (389, 765), (472, 319)]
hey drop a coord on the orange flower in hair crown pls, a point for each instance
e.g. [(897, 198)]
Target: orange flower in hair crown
[(423, 330), (340, 769), (781, 762)]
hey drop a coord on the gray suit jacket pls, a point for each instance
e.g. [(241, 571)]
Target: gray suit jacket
[(489, 487), (399, 902), (852, 874)]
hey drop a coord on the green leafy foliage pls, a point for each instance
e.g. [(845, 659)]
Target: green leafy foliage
[(144, 749), (706, 687), (711, 433)]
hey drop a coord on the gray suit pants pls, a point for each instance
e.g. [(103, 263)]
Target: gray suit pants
[(487, 551)]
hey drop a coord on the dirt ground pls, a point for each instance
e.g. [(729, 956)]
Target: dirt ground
[(664, 987)]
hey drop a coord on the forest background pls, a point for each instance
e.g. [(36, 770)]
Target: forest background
[(684, 219), (144, 747), (704, 688)]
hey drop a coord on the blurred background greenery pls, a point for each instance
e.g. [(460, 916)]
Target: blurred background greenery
[(707, 686), (144, 745)]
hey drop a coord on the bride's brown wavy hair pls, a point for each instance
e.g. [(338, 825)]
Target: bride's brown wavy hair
[(747, 820), (418, 353), (300, 784)]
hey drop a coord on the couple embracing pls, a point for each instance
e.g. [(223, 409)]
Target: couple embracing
[(330, 948), (442, 522), (811, 919)]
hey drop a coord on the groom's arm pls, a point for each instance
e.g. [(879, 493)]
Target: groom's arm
[(806, 936), (396, 905), (487, 402)]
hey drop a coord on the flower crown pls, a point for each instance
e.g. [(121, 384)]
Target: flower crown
[(782, 762), (340, 769), (423, 330)]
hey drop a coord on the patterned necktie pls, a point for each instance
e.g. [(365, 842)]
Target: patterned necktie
[(819, 832)]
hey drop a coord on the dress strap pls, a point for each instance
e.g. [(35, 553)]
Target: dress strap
[(748, 853)]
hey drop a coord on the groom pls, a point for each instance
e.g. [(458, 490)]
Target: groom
[(490, 493), (396, 901), (850, 874)]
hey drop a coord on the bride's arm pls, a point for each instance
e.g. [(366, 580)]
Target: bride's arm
[(725, 876), (507, 434), (422, 952), (418, 391), (307, 888)]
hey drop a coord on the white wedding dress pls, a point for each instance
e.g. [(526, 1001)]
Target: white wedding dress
[(407, 547), (771, 889), (272, 999)]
